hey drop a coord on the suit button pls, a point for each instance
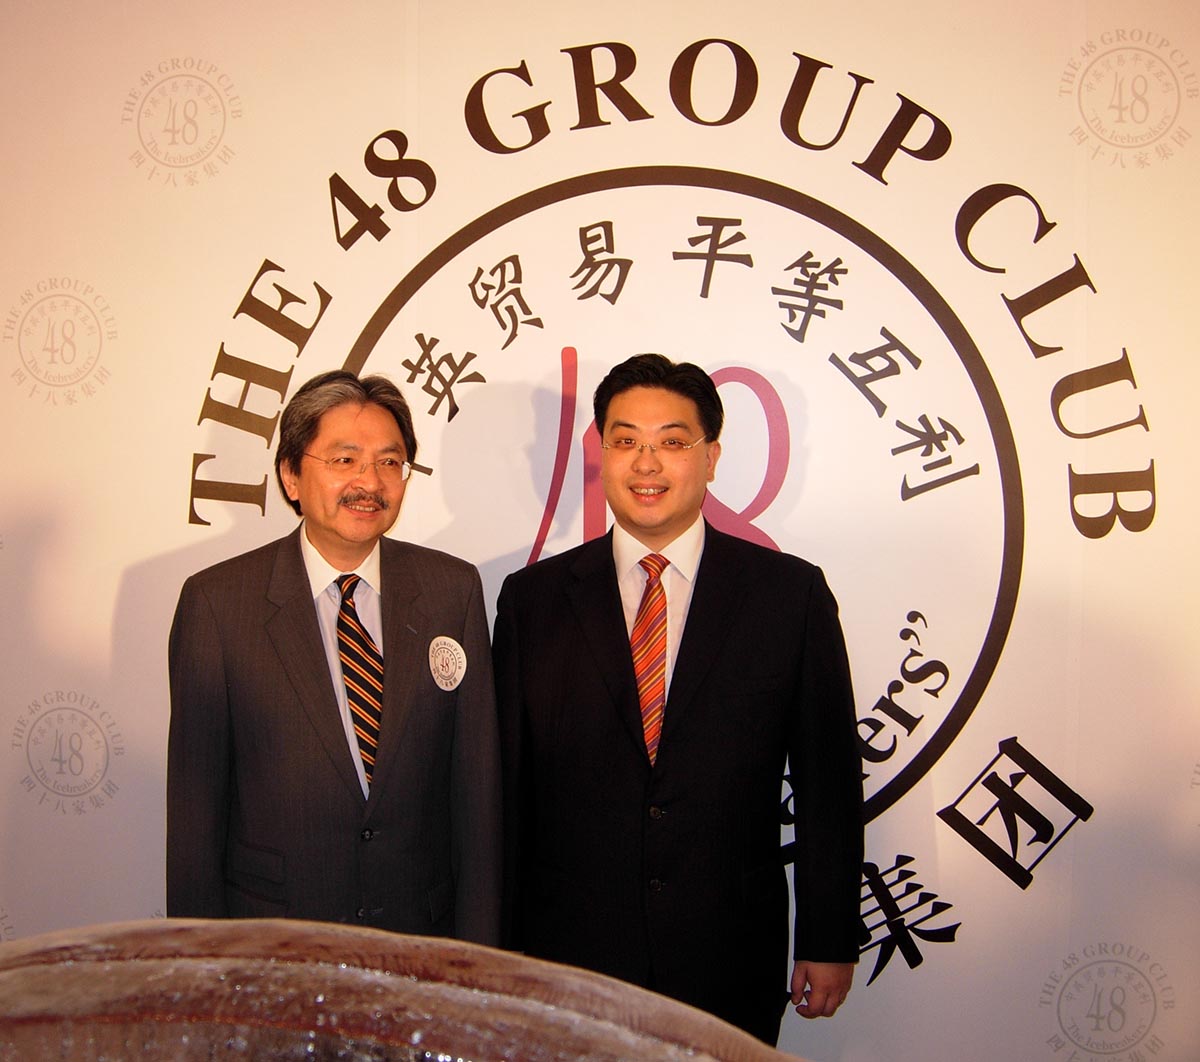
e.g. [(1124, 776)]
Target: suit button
[(367, 834), (656, 812), (656, 885)]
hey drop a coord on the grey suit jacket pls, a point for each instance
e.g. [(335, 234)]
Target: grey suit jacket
[(265, 815)]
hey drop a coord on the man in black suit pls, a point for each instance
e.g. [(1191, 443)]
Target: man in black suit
[(305, 777), (642, 798)]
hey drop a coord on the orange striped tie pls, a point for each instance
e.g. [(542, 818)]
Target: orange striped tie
[(362, 668), (648, 641)]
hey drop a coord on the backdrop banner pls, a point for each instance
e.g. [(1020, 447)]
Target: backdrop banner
[(937, 257)]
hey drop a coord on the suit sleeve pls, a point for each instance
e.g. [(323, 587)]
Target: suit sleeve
[(475, 785), (506, 658), (198, 761), (826, 774)]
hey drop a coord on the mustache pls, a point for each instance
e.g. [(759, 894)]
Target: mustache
[(356, 497)]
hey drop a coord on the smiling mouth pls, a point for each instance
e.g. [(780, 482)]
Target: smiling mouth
[(365, 503), (648, 492)]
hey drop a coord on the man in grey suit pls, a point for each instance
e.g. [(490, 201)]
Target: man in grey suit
[(644, 744), (307, 777)]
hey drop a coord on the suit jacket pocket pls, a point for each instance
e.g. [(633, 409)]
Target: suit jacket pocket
[(256, 871)]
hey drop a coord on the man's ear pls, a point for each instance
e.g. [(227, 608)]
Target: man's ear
[(291, 481), (713, 456)]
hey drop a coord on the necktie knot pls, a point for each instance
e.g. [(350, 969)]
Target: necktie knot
[(346, 585), (654, 564)]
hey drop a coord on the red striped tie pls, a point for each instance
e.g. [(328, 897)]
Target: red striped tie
[(362, 668), (648, 641)]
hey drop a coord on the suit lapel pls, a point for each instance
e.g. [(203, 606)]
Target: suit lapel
[(716, 599), (406, 639), (296, 636), (596, 601)]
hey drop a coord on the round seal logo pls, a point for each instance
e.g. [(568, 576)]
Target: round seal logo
[(181, 112), (60, 329), (447, 662), (67, 752), (1106, 1000), (1129, 88), (69, 743), (1128, 98)]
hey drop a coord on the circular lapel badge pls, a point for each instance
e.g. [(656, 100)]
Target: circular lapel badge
[(447, 662)]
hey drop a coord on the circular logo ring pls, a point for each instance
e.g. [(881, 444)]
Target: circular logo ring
[(943, 316)]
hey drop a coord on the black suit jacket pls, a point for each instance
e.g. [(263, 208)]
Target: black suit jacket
[(265, 814), (672, 876)]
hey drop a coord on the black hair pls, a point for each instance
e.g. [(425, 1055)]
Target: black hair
[(654, 370)]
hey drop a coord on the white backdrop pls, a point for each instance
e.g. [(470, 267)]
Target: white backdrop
[(940, 259)]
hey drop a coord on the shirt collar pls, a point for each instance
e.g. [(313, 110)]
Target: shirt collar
[(321, 573), (684, 552)]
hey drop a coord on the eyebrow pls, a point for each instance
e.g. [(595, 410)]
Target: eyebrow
[(391, 448), (673, 425)]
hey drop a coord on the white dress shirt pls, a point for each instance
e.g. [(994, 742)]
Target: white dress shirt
[(678, 580), (322, 578)]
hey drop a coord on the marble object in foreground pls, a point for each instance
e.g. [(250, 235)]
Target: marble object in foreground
[(281, 989)]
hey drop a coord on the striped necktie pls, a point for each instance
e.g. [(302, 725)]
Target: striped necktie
[(362, 669), (648, 642)]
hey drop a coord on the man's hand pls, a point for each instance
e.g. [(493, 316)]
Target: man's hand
[(819, 988)]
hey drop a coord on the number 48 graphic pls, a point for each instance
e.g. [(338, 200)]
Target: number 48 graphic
[(65, 348), (395, 168)]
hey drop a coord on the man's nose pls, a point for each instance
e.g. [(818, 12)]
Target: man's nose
[(647, 458), (369, 474)]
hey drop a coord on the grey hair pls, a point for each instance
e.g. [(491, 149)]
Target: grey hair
[(302, 416)]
